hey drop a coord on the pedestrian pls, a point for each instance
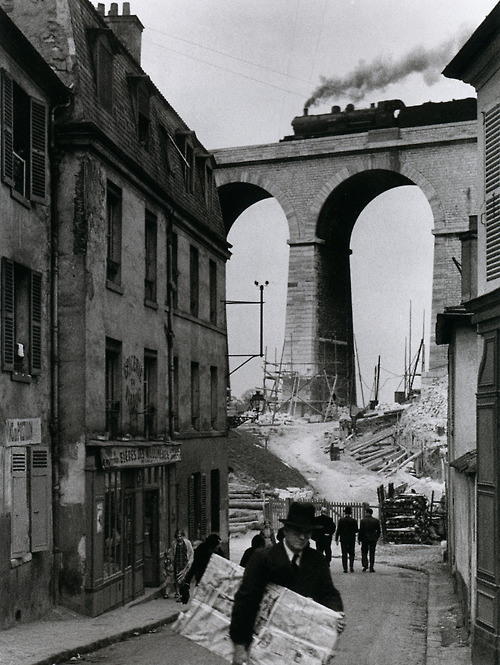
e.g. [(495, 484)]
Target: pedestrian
[(291, 563), (267, 533), (347, 529), (257, 542), (178, 560), (202, 555), (369, 533), (324, 533)]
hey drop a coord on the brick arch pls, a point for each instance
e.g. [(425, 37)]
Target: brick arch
[(407, 171), (268, 185)]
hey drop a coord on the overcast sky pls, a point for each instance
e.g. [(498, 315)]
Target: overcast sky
[(238, 71)]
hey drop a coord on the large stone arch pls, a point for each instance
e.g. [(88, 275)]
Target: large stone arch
[(239, 192)]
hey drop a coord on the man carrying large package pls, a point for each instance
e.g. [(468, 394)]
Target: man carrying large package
[(291, 563)]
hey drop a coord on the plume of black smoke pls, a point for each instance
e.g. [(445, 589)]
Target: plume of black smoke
[(377, 75)]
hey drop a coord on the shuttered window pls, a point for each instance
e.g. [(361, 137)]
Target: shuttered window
[(21, 318), (40, 498), (19, 511), (24, 142), (197, 506), (492, 192)]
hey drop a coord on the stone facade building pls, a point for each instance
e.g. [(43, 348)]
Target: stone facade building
[(140, 439), (478, 63), (29, 92)]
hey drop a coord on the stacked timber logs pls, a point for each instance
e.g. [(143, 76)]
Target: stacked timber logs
[(245, 508), (405, 519), (380, 452)]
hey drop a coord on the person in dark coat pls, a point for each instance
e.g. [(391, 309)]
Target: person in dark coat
[(202, 554), (347, 528), (369, 533), (291, 563), (324, 534), (258, 541)]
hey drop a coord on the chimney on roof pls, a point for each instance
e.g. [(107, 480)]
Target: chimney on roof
[(126, 27)]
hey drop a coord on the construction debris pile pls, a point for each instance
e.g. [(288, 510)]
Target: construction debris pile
[(405, 519)]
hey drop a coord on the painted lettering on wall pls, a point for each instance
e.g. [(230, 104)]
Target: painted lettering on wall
[(23, 430), (132, 371), (128, 456)]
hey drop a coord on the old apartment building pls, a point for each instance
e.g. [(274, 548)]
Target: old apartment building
[(478, 63), (140, 355), (29, 91)]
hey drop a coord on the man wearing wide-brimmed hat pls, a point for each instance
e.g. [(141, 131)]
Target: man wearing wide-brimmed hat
[(291, 563)]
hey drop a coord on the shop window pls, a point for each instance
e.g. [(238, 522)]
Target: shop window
[(215, 500), (150, 280), (114, 222), (21, 319), (197, 506), (194, 281), (213, 288), (24, 142), (113, 387), (31, 499), (150, 392), (112, 541), (214, 397), (195, 396)]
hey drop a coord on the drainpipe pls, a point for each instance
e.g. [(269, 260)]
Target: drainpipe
[(169, 329), (54, 353)]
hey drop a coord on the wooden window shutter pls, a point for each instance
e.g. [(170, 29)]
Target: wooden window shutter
[(8, 315), (19, 515), (7, 129), (38, 151), (36, 323), (492, 191), (191, 525), (40, 498), (203, 506)]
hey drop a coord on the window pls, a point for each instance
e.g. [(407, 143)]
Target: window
[(195, 395), (112, 509), (214, 397), (150, 254), (215, 500), (187, 157), (194, 281), (165, 148), (31, 499), (24, 142), (114, 223), (150, 387), (175, 400), (104, 72), (492, 192), (140, 88), (209, 185), (21, 319), (174, 267), (113, 387), (197, 506), (212, 284), (189, 177)]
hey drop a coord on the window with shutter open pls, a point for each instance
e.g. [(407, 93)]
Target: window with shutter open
[(38, 151), (7, 129), (35, 351), (492, 191), (8, 313)]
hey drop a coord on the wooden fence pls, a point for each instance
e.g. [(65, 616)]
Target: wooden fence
[(276, 508)]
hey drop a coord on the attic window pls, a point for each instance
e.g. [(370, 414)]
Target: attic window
[(186, 153), (103, 52), (141, 102)]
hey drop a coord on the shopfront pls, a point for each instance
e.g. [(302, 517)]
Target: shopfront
[(130, 517)]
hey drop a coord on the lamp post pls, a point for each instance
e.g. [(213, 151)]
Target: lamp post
[(257, 403), (261, 288)]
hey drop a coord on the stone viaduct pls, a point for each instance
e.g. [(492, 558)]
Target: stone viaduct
[(323, 179)]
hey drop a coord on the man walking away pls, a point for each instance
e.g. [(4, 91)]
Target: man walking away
[(324, 534), (369, 533), (347, 528), (291, 563)]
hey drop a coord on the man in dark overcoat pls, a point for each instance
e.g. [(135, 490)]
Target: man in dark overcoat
[(347, 528), (324, 534), (369, 533), (291, 563)]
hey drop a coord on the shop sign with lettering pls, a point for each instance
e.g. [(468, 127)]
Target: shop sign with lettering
[(136, 456), (22, 431)]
